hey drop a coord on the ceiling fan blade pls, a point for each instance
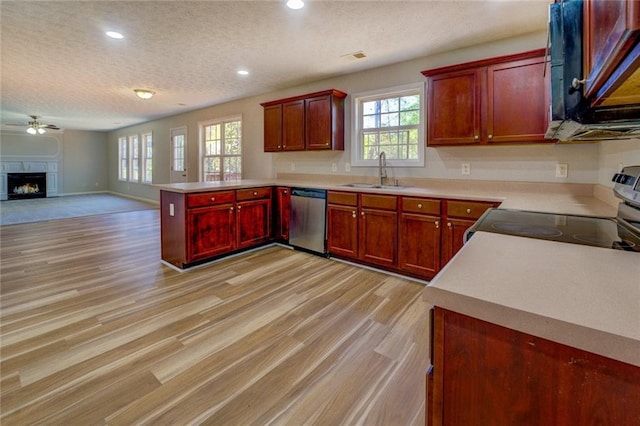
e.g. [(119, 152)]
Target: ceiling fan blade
[(15, 124), (50, 126)]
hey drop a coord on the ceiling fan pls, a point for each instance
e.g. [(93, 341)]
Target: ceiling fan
[(34, 127)]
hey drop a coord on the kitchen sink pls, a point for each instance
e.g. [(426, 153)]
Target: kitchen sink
[(373, 186)]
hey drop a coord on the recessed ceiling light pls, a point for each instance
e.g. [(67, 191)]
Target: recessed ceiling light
[(295, 4), (114, 34), (243, 72)]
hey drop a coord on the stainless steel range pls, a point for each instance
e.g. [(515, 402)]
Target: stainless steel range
[(621, 233)]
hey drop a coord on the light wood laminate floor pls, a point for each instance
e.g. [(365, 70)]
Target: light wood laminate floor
[(95, 330)]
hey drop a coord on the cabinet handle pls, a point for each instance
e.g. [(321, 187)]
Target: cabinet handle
[(255, 193), (326, 144), (437, 224), (419, 206), (213, 198), (353, 214), (231, 208), (468, 210), (361, 213), (490, 136), (449, 225), (285, 192), (476, 137), (239, 207)]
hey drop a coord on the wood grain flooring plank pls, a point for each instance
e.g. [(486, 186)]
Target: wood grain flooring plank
[(94, 329)]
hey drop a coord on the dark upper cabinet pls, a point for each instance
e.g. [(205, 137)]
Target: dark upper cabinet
[(497, 100), (611, 52), (309, 122)]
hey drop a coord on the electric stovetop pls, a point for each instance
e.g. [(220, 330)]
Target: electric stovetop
[(591, 231)]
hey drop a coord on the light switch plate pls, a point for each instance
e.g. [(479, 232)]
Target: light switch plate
[(562, 170), (347, 167), (466, 169), (334, 167)]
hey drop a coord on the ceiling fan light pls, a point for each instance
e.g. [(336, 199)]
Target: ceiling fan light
[(31, 130), (40, 130), (144, 93)]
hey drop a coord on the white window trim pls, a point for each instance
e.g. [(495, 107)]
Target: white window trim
[(201, 126), (123, 175), (144, 158), (131, 159), (358, 98)]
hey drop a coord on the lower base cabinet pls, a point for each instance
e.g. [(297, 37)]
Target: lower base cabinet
[(486, 374)]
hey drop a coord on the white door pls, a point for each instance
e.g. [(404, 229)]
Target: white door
[(178, 155)]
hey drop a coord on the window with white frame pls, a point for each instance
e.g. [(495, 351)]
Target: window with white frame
[(134, 158), (221, 150), (389, 121), (123, 159), (147, 158)]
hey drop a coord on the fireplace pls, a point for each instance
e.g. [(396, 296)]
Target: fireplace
[(26, 185)]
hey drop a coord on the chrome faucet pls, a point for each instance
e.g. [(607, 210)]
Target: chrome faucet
[(382, 167)]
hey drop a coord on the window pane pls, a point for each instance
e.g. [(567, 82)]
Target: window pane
[(389, 105), (232, 168)]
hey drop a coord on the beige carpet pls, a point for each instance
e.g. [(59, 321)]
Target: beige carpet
[(42, 209)]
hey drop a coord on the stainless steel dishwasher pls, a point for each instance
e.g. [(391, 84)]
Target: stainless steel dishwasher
[(307, 229)]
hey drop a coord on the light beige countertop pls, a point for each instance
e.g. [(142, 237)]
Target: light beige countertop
[(581, 296)]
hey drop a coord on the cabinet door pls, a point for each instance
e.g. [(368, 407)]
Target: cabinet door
[(342, 230), (273, 128), (284, 211), (419, 244), (293, 126), (454, 108), (254, 222), (453, 238), (378, 237), (210, 231), (318, 122), (517, 101), (611, 30)]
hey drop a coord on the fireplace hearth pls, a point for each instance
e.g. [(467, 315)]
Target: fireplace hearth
[(26, 185)]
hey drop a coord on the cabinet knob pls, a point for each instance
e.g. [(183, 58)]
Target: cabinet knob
[(476, 137), (353, 214), (490, 136), (419, 206), (449, 225), (285, 192), (468, 210), (437, 224), (361, 213), (213, 198), (255, 193), (231, 208), (326, 144), (239, 207)]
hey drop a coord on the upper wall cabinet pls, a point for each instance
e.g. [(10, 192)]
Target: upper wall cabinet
[(309, 122), (612, 52), (497, 100)]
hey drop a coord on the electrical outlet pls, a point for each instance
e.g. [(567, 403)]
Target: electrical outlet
[(334, 167), (293, 167), (172, 211), (466, 169), (562, 170), (347, 167)]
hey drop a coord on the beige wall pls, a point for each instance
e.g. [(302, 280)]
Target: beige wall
[(535, 163), (84, 165)]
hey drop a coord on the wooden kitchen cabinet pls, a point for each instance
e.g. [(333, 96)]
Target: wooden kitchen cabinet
[(378, 229), (282, 213), (459, 215), (253, 216), (313, 121), (273, 128), (196, 227), (611, 32), (342, 224), (497, 100), (483, 373), (419, 234)]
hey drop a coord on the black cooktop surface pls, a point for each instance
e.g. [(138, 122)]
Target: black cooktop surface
[(592, 231)]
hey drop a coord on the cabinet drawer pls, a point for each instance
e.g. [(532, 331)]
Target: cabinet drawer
[(467, 209), (253, 193), (344, 198), (383, 202), (421, 205), (202, 199)]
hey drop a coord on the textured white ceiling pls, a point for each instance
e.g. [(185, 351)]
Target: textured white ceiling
[(57, 62)]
